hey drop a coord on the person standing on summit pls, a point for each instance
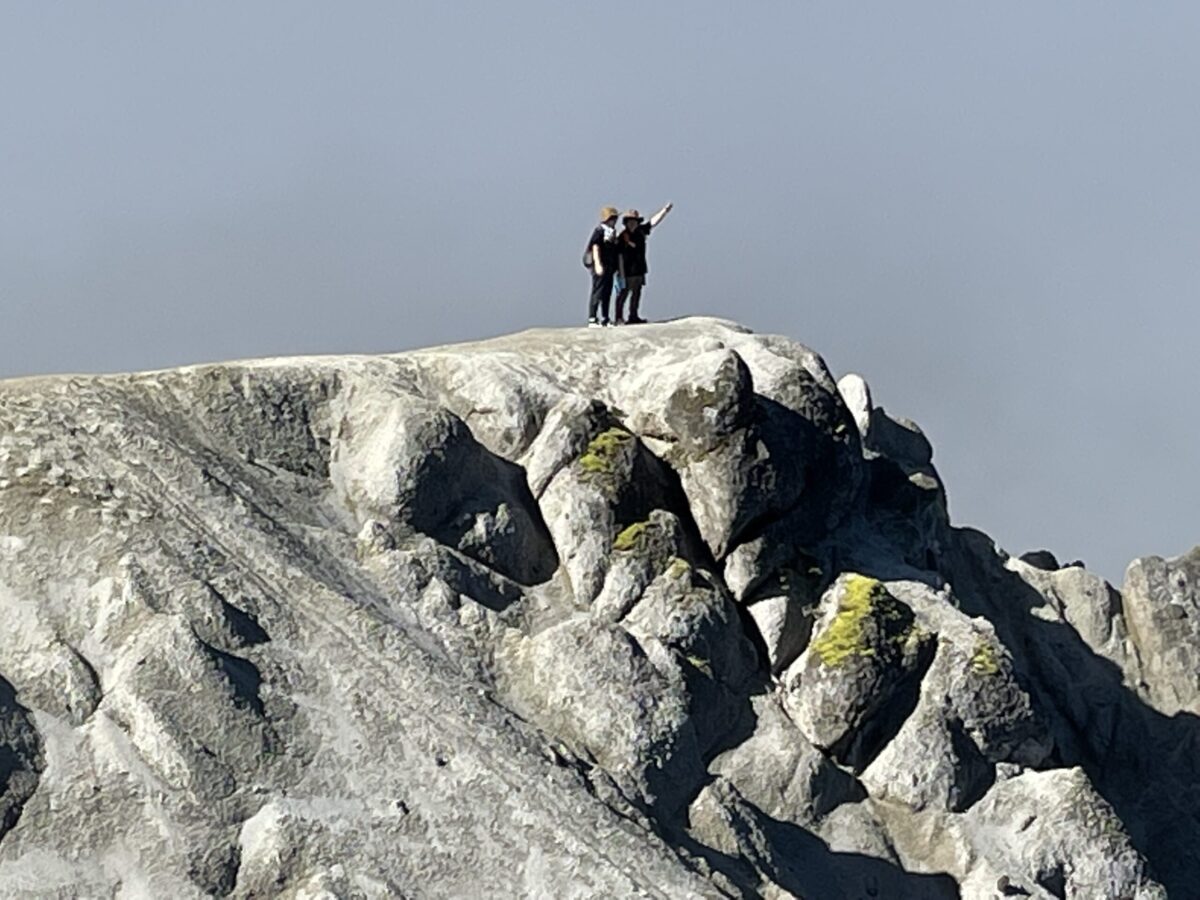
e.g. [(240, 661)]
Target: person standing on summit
[(602, 258), (633, 268)]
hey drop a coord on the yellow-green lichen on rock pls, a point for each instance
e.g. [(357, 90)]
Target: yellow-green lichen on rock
[(600, 457), (846, 637), (985, 660), (631, 537), (678, 568)]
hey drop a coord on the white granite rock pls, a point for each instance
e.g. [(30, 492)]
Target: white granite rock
[(565, 613)]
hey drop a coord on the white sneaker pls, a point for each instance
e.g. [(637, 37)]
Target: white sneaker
[(593, 323), (607, 324)]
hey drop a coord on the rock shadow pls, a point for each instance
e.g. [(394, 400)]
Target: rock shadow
[(21, 757), (242, 626), (826, 465), (805, 866), (495, 521), (859, 747), (243, 677)]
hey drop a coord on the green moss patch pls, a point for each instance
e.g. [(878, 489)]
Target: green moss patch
[(604, 451), (864, 603), (632, 537)]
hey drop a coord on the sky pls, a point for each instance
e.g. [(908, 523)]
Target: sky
[(990, 211)]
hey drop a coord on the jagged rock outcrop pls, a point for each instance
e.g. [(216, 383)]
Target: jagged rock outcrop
[(1162, 621), (656, 611)]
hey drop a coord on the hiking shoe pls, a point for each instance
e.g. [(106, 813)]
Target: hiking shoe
[(606, 323), (636, 320), (593, 323), (618, 321)]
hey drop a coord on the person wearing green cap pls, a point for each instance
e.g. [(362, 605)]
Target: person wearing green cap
[(632, 262)]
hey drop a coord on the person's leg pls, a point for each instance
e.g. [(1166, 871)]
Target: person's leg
[(606, 297), (601, 296), (635, 297), (598, 291), (622, 293)]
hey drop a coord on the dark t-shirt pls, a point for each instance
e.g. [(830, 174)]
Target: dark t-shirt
[(608, 249), (633, 250)]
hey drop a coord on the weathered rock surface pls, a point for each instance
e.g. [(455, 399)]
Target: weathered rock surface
[(1067, 842), (1162, 619), (859, 677), (657, 611)]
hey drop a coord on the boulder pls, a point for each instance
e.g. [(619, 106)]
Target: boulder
[(1162, 608), (1066, 840), (1091, 606), (614, 484), (973, 713), (747, 454), (638, 728), (769, 858), (696, 404), (859, 677), (686, 623), (640, 553), (409, 464), (1041, 559), (856, 394), (782, 773), (566, 431)]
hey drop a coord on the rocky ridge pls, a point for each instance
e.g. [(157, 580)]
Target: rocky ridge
[(662, 611)]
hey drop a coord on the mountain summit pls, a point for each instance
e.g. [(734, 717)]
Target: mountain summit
[(661, 611)]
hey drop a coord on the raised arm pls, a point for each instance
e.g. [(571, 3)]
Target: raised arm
[(661, 214)]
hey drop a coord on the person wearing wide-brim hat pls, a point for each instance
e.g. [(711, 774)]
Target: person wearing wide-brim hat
[(632, 261), (602, 258)]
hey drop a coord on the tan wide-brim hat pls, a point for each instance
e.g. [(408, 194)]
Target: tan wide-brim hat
[(608, 212), (632, 214)]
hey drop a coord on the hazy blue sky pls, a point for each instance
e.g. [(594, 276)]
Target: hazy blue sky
[(992, 211)]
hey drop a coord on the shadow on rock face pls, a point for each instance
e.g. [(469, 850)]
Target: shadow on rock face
[(780, 468), (827, 452), (402, 461), (1145, 765), (244, 627), (748, 846), (244, 679), (497, 523), (21, 759)]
